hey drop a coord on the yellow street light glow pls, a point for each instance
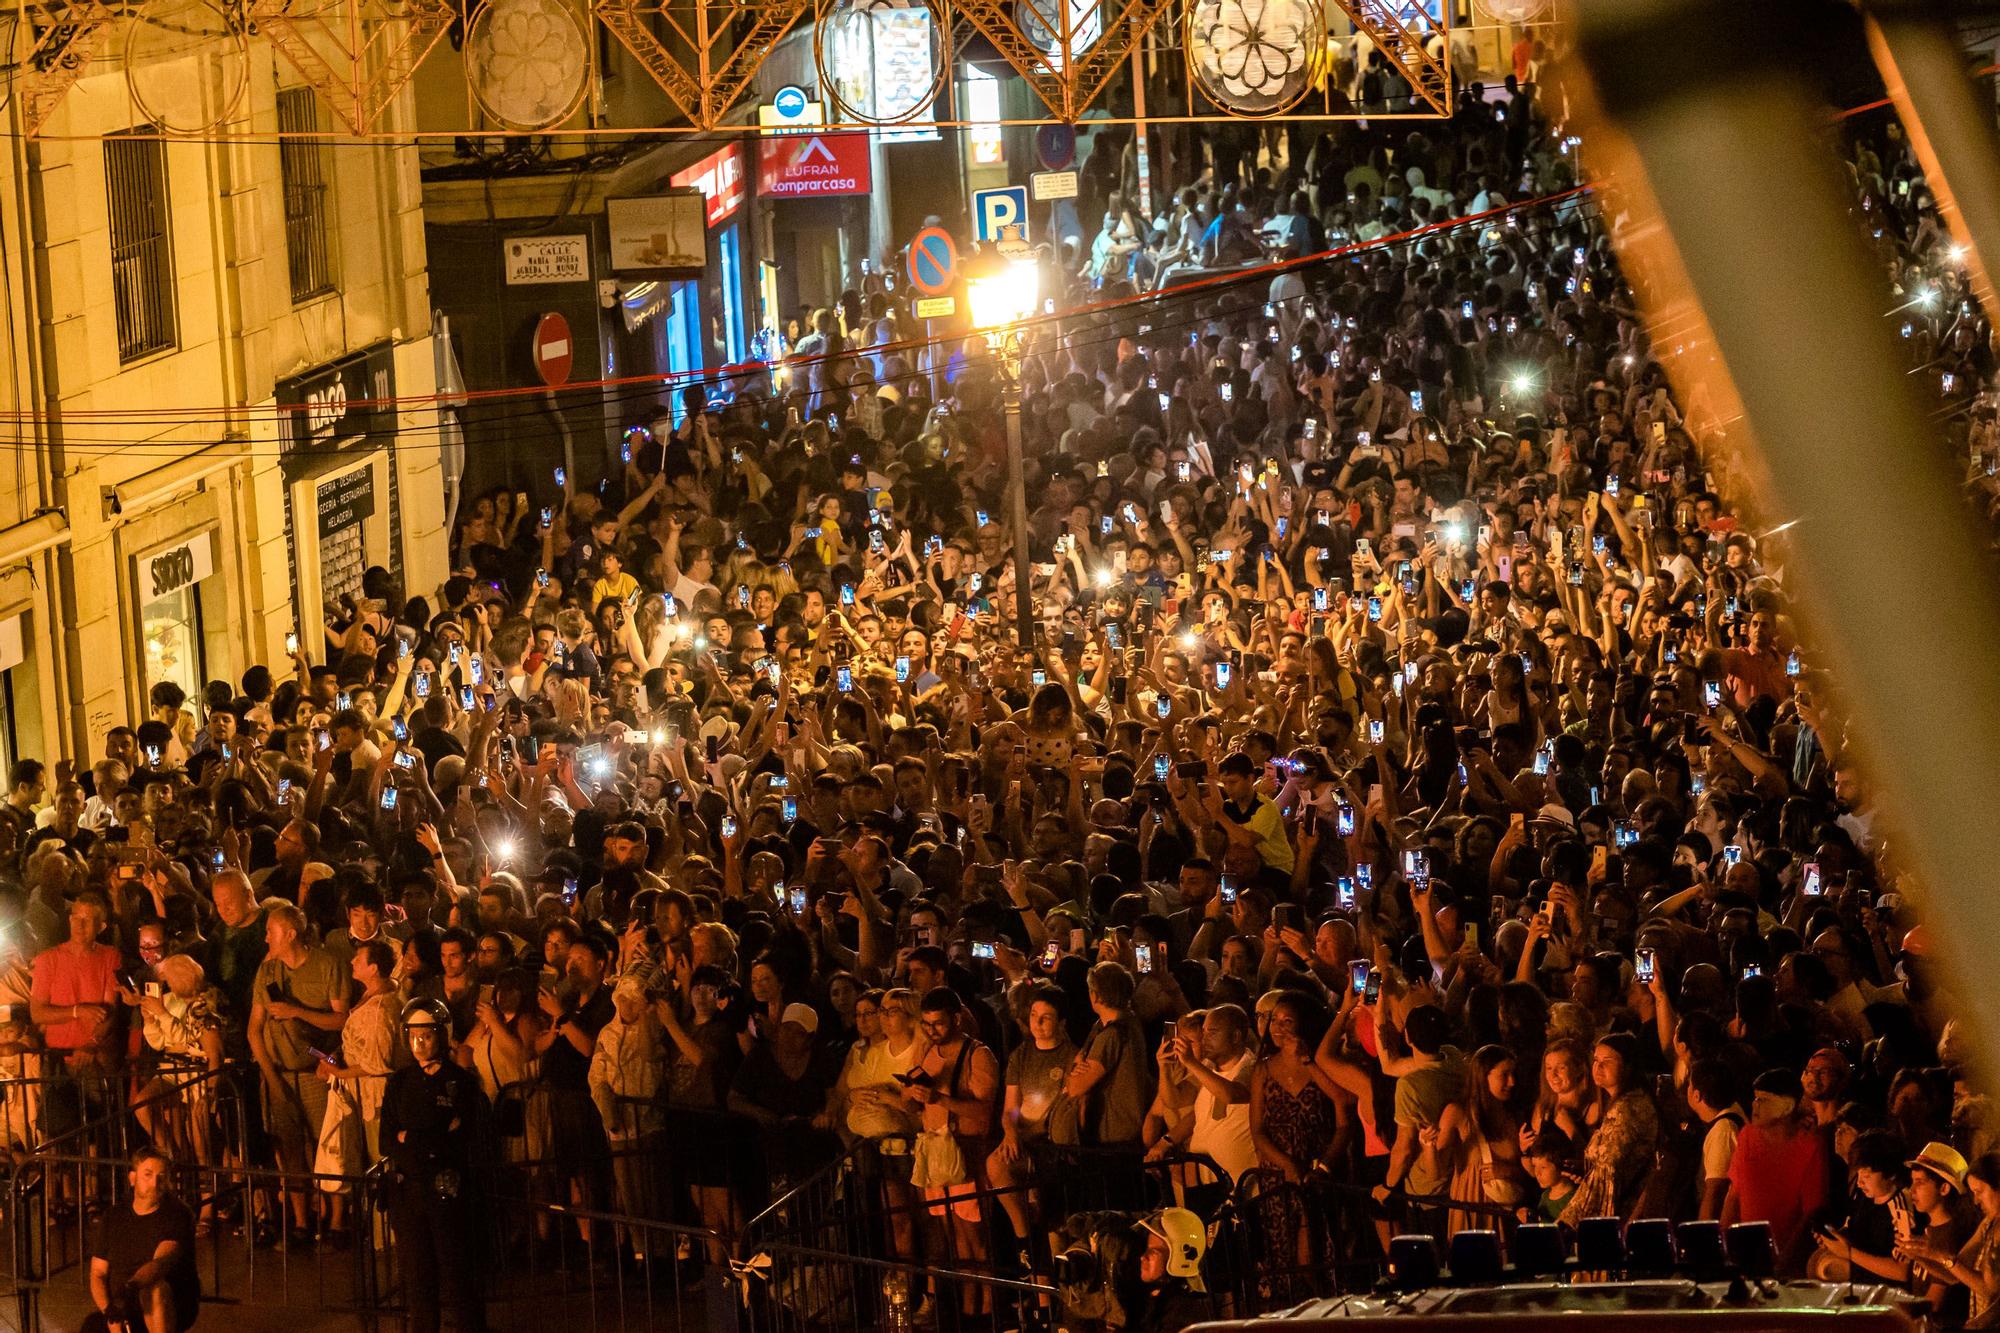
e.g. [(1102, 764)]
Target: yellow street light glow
[(1005, 296)]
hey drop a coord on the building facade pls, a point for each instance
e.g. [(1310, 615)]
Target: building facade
[(201, 335)]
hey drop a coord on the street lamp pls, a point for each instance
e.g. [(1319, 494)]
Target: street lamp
[(1001, 298)]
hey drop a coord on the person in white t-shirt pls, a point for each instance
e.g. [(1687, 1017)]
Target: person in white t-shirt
[(1711, 1095), (1219, 1060)]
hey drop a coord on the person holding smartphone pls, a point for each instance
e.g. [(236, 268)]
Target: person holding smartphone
[(1241, 813), (577, 1007), (1217, 1057)]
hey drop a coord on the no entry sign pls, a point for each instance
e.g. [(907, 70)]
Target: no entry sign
[(553, 350)]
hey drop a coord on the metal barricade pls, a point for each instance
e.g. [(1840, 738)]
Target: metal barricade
[(573, 1267), (55, 1201), (793, 1288), (192, 1114)]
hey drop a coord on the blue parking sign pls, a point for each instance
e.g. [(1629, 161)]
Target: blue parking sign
[(994, 209)]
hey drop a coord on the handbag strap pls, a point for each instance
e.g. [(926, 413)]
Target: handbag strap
[(957, 1068)]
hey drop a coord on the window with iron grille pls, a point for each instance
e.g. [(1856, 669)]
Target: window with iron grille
[(302, 165), (142, 258)]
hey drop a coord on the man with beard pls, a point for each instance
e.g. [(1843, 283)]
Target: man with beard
[(298, 843), (460, 978), (624, 872), (142, 1269)]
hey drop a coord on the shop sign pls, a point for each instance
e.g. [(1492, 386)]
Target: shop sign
[(177, 567), (339, 401), (541, 259), (659, 233), (813, 166), (719, 177), (345, 501)]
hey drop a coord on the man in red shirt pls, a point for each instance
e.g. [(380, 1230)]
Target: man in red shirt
[(1778, 1174), (73, 1000), (1758, 668)]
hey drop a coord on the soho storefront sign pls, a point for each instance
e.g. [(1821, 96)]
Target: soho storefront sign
[(167, 572)]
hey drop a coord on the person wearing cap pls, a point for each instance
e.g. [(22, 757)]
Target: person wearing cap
[(1937, 1188), (435, 1136), (626, 1070), (1936, 1213), (1778, 1173), (783, 1084), (1975, 1264)]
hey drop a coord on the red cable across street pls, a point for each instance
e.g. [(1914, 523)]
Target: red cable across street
[(663, 378)]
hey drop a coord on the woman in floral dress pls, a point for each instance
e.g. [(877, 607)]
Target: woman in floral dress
[(1625, 1136)]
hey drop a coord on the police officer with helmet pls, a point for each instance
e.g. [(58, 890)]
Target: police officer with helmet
[(432, 1128)]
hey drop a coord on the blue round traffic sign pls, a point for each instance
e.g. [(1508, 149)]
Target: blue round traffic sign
[(1056, 146), (789, 102), (933, 261)]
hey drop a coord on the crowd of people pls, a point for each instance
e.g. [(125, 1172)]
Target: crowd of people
[(1417, 803)]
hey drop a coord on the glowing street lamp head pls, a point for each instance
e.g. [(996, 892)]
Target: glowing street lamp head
[(1004, 296)]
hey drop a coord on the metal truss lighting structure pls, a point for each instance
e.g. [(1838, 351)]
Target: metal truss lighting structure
[(1068, 51), (356, 54), (1244, 59), (52, 43)]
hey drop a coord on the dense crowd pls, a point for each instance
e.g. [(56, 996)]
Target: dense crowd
[(1418, 800)]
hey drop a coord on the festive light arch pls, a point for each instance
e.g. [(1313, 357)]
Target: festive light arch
[(359, 55)]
